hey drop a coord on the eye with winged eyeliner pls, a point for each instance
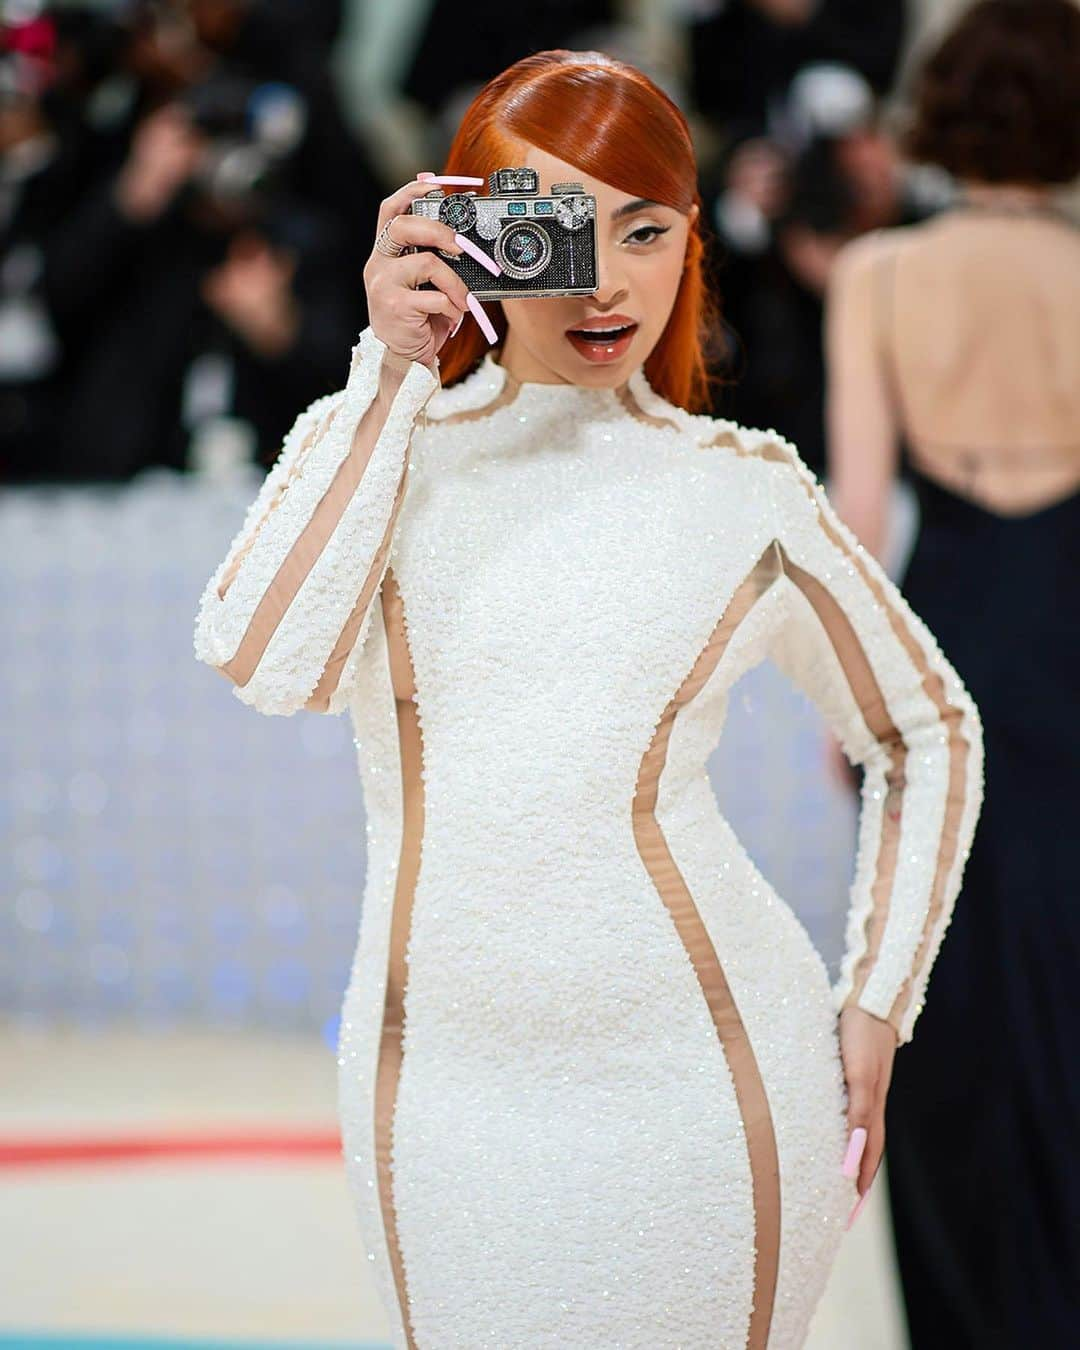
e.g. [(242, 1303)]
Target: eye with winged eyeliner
[(654, 231)]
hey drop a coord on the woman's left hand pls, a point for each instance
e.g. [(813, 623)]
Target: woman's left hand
[(867, 1048)]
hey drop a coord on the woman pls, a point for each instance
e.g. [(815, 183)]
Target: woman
[(594, 1085), (954, 349)]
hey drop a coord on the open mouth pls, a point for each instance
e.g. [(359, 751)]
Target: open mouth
[(603, 344)]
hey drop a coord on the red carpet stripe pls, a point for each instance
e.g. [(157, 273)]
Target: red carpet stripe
[(65, 1150)]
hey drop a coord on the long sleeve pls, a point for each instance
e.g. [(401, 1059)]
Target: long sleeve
[(849, 639), (291, 601)]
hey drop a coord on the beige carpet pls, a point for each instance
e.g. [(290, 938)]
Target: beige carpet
[(235, 1248)]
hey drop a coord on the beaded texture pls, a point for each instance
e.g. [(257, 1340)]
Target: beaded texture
[(570, 1164), (290, 668)]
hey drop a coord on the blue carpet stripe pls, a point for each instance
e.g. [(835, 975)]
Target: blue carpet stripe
[(36, 1340)]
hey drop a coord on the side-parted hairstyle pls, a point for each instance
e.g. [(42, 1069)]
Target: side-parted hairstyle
[(998, 100), (614, 123)]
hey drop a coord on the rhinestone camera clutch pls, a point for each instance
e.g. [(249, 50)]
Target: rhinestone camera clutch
[(544, 245)]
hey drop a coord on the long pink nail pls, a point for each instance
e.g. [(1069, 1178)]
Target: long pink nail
[(858, 1208), (482, 319), (850, 1165), (453, 179), (456, 326), (420, 177), (475, 251)]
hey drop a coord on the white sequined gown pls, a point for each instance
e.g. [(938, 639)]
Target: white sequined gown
[(590, 1084)]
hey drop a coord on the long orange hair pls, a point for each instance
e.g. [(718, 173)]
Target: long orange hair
[(613, 122)]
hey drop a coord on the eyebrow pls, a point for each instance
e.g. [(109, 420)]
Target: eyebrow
[(638, 204)]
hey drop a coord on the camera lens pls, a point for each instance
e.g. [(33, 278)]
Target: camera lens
[(523, 249)]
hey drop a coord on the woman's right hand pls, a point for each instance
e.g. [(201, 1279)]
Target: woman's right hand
[(414, 323)]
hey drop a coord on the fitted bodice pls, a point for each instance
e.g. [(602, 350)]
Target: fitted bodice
[(567, 558), (476, 399)]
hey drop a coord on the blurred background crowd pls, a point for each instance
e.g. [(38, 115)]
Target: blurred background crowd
[(188, 190), (188, 194), (183, 208)]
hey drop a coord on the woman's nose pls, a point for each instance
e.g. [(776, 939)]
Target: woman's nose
[(611, 285)]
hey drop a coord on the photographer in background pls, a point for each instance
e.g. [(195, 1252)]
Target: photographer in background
[(745, 54), (288, 40), (217, 300), (782, 214), (46, 166), (201, 272)]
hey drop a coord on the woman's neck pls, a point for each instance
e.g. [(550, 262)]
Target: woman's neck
[(1016, 195), (516, 358)]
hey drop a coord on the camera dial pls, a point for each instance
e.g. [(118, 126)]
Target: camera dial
[(572, 212), (458, 210)]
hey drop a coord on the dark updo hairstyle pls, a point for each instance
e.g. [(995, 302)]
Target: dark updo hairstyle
[(999, 99)]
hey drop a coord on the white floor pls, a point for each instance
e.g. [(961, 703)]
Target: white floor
[(238, 1249)]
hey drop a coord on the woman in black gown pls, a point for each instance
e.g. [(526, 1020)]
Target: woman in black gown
[(983, 1116), (956, 343)]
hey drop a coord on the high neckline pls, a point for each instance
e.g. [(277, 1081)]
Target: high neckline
[(538, 392), (490, 389)]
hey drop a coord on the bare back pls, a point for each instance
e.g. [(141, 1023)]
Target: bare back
[(979, 329)]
